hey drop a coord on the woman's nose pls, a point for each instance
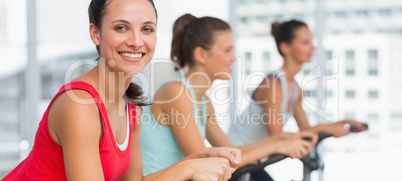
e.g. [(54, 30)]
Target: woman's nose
[(135, 40)]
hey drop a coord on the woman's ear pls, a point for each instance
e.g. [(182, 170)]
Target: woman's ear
[(95, 34), (199, 55), (284, 47)]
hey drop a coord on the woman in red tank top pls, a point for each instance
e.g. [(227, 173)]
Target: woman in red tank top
[(91, 129)]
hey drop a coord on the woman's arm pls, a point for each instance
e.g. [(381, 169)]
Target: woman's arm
[(214, 134), (213, 168), (288, 144), (183, 170), (188, 168), (269, 94), (272, 94), (249, 153), (303, 124), (337, 129), (180, 113), (291, 144), (300, 115), (78, 129)]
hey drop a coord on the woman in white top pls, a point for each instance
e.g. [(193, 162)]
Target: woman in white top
[(278, 97)]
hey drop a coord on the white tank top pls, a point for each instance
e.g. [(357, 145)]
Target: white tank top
[(251, 127), (123, 146)]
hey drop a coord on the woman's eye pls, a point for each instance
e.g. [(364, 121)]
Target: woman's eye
[(121, 28), (148, 30)]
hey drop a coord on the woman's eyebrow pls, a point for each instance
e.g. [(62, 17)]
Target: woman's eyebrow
[(120, 20), (150, 22), (127, 22)]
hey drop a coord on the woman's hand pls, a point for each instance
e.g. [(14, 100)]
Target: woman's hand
[(341, 128), (196, 169), (293, 144), (360, 127), (233, 155), (212, 168), (336, 130)]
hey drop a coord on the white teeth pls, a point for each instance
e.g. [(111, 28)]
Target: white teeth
[(131, 55)]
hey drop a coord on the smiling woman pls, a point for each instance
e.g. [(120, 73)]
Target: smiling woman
[(130, 40), (91, 128)]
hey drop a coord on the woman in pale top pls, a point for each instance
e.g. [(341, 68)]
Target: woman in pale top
[(279, 97), (182, 116)]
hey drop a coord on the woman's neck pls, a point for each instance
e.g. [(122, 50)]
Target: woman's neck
[(111, 85), (199, 80), (291, 68)]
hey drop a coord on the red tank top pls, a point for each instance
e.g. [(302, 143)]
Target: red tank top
[(45, 161)]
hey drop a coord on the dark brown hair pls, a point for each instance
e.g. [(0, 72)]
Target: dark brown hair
[(190, 32), (285, 32), (96, 11)]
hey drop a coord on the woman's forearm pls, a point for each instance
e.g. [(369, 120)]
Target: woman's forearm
[(253, 152), (178, 171), (316, 129)]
